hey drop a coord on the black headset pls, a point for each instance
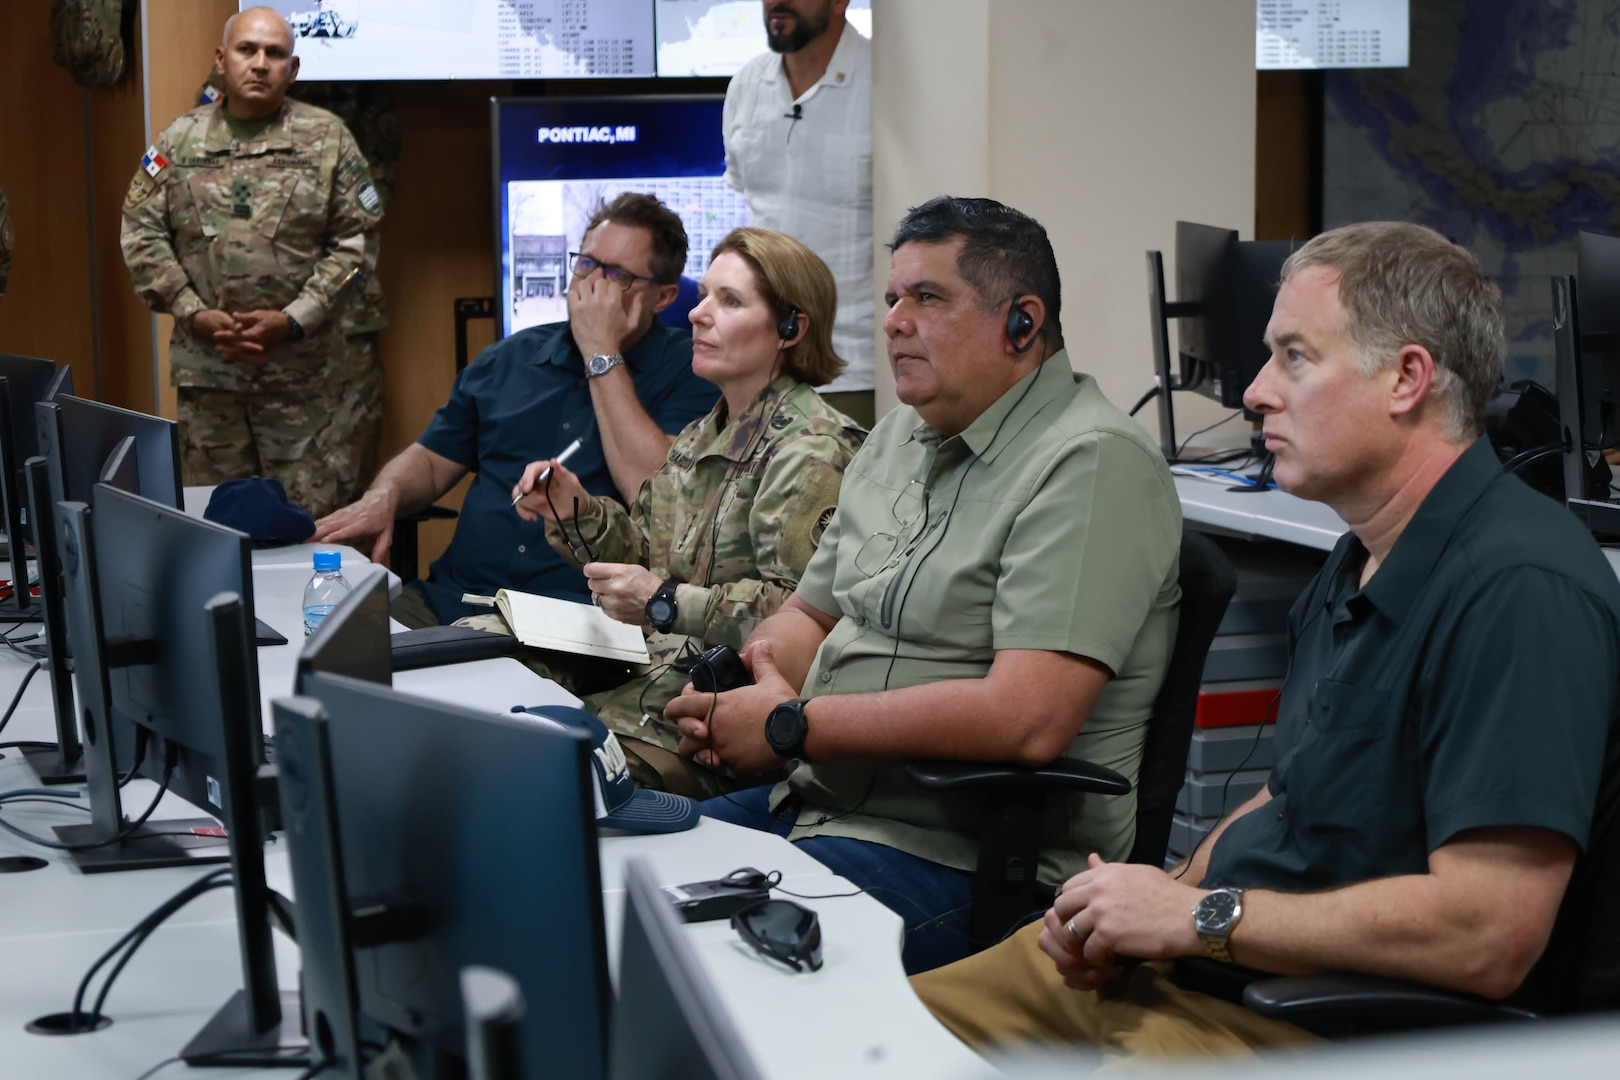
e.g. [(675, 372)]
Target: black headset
[(789, 326), (1019, 323)]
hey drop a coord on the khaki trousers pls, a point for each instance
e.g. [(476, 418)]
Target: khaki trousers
[(1011, 994)]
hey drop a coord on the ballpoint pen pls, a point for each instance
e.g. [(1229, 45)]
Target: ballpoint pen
[(562, 459)]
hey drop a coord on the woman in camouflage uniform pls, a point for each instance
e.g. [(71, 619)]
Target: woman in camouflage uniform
[(722, 531)]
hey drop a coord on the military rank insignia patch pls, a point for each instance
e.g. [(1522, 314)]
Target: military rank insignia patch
[(821, 524), (141, 188), (369, 198), (154, 162)]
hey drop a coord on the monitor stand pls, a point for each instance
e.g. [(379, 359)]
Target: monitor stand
[(232, 1032)]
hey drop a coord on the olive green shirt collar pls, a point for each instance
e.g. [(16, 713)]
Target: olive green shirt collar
[(1008, 414), (277, 136)]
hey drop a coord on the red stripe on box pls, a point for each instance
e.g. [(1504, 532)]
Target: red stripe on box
[(1235, 708)]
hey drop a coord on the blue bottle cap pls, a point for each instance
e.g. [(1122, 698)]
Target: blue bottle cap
[(328, 560)]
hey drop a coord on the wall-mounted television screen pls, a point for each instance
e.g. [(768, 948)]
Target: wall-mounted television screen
[(558, 159), (527, 39), (469, 39), (717, 37)]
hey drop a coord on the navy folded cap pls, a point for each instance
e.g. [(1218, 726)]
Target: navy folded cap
[(258, 506), (619, 803)]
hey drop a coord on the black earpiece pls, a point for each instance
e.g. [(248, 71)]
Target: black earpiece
[(788, 328), (1019, 324)]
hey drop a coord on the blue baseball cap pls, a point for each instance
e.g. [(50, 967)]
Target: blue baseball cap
[(619, 803), (258, 506)]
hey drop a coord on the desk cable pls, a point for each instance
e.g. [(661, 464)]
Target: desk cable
[(28, 677), (1259, 732), (128, 830)]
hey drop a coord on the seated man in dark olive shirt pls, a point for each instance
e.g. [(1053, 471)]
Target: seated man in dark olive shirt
[(1445, 738), (611, 376)]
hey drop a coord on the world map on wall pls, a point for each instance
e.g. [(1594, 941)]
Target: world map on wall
[(1504, 135)]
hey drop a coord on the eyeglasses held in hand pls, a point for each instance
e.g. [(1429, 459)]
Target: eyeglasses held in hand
[(585, 266), (783, 931)]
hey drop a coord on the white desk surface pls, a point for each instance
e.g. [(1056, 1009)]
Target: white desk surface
[(1272, 515), (856, 1017)]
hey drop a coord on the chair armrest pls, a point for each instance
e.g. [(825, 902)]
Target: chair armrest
[(402, 559), (1343, 1002), (1062, 774), (431, 513)]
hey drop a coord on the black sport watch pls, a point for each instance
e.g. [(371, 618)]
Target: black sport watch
[(786, 728), (661, 609)]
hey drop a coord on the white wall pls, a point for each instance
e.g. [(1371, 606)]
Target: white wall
[(1107, 120)]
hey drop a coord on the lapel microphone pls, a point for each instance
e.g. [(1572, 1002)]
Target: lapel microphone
[(796, 114)]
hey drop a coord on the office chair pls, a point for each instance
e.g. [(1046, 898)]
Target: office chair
[(403, 556), (1005, 889), (1579, 972)]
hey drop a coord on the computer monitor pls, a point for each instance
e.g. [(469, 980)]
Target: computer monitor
[(463, 838), (669, 1023), (84, 434), (137, 577), (353, 638), (62, 763), (1586, 346), (24, 380), (160, 618), (1225, 290)]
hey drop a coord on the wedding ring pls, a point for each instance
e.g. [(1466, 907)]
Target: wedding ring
[(597, 600), (1069, 926)]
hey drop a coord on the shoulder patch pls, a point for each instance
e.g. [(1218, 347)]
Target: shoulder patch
[(369, 198), (822, 522), (350, 171), (141, 188), (153, 162)]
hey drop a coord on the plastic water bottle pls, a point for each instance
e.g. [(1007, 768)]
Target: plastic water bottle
[(324, 590)]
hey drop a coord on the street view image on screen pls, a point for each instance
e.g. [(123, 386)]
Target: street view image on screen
[(469, 39), (558, 159), (717, 37)]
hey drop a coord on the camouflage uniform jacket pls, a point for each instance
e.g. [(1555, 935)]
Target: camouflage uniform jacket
[(277, 222), (732, 517)]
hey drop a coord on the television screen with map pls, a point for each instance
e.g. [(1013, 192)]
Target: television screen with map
[(717, 37), (469, 39), (558, 159)]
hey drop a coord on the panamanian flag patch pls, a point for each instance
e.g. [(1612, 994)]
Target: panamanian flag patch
[(154, 162)]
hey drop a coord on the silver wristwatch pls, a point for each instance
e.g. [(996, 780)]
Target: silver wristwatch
[(601, 364), (1214, 917)]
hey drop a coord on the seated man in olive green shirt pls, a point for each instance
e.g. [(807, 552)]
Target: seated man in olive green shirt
[(997, 584)]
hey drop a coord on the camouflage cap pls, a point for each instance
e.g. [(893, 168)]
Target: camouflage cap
[(92, 38)]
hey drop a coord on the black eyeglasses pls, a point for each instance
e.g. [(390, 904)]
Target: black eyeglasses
[(584, 266), (783, 931)]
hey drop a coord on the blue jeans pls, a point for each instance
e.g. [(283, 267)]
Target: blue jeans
[(933, 900)]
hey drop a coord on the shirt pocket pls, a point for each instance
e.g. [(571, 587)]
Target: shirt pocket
[(849, 165), (1342, 768)]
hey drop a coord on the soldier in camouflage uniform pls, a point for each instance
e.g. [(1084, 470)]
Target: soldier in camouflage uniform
[(5, 242), (367, 110), (734, 514), (249, 221)]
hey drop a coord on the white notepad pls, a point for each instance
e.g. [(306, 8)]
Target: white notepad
[(544, 622)]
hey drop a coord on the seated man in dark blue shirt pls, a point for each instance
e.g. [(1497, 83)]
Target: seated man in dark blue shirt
[(1445, 739), (612, 376)]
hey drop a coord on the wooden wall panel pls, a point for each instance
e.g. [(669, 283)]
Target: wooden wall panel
[(46, 309), (1285, 179), (117, 140), (181, 54), (437, 245)]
